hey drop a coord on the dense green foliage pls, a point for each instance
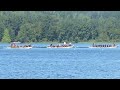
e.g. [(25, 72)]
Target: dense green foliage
[(6, 36), (60, 26)]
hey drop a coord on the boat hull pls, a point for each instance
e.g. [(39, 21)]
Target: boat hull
[(104, 47), (19, 48), (60, 47)]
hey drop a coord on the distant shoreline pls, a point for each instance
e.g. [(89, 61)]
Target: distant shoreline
[(61, 42)]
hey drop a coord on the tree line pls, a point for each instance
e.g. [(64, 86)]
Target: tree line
[(60, 26)]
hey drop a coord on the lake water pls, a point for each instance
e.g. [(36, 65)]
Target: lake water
[(53, 63)]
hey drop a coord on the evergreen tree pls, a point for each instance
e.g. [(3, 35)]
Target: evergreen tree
[(60, 26), (6, 36)]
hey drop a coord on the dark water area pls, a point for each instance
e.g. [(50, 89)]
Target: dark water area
[(59, 63)]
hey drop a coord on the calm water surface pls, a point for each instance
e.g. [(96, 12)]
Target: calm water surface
[(48, 63)]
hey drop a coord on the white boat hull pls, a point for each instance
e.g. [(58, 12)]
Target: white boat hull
[(104, 47), (20, 48), (60, 47)]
